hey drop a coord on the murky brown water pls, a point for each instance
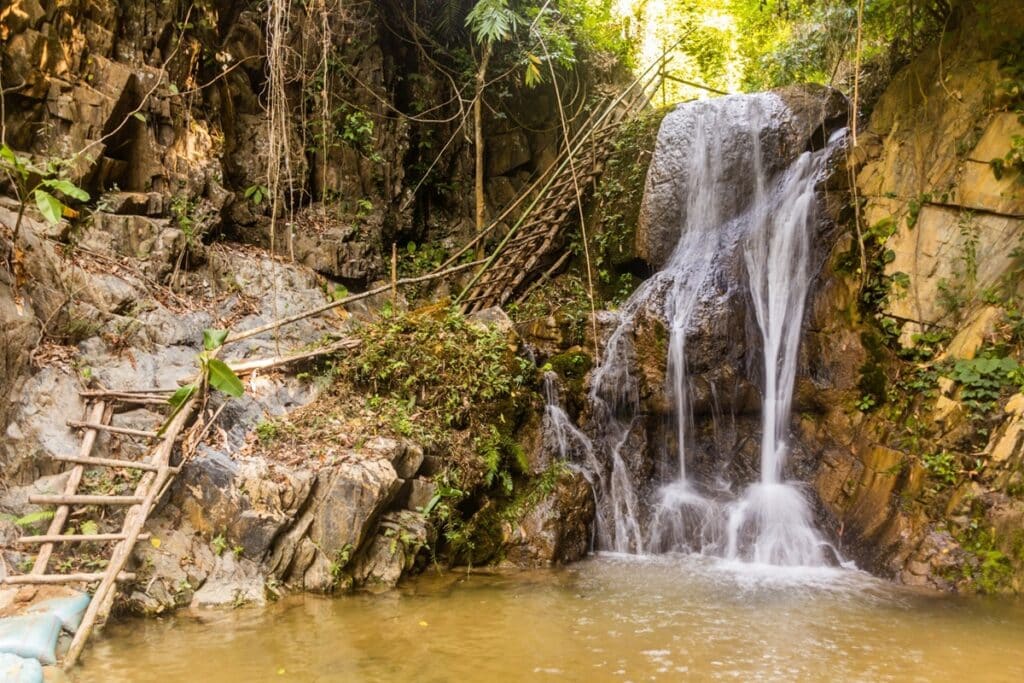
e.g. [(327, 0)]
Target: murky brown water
[(607, 619)]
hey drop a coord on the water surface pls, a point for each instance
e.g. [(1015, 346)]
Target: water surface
[(611, 618)]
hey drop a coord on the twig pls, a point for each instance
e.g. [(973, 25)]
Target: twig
[(245, 334)]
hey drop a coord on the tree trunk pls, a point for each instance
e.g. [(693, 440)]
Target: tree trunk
[(478, 142)]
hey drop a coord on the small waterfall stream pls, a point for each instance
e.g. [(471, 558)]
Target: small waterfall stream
[(764, 220)]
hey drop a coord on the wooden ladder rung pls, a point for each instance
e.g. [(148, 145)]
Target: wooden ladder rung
[(77, 424), (64, 578), (85, 500), (77, 538), (113, 462)]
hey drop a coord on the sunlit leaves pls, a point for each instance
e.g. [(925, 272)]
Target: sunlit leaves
[(223, 378), (491, 21)]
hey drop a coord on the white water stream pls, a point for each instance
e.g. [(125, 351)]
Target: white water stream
[(769, 218)]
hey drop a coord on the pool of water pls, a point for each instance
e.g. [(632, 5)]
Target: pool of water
[(611, 618)]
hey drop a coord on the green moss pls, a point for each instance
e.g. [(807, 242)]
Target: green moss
[(873, 374), (571, 365)]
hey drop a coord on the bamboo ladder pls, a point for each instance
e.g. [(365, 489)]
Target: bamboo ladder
[(157, 472), (530, 244), (156, 479)]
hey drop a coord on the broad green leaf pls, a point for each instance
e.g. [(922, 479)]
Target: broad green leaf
[(214, 339), (8, 155), (68, 188), (177, 401), (140, 116), (432, 504), (181, 395), (223, 378), (89, 528), (49, 206)]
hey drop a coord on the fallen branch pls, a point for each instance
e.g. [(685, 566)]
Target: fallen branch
[(248, 366), (245, 334)]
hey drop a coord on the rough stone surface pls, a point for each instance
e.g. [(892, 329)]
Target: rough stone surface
[(800, 118), (557, 529)]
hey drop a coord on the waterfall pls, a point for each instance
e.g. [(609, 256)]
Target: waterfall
[(731, 208)]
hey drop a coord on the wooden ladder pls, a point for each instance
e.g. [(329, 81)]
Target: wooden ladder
[(534, 240), (156, 477)]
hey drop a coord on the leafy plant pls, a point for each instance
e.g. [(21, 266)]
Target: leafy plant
[(33, 518), (256, 194), (41, 184), (219, 544), (943, 466), (215, 373), (982, 380)]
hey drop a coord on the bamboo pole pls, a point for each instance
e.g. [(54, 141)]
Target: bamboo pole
[(84, 500), (78, 424), (75, 538), (109, 462), (60, 516), (63, 578), (148, 487)]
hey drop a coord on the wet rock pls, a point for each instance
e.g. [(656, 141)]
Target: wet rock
[(346, 503), (246, 502), (557, 529), (785, 133), (232, 583), (405, 456), (420, 494), (403, 538)]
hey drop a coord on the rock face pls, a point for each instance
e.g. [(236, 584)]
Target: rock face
[(722, 362), (908, 485), (812, 114), (557, 529)]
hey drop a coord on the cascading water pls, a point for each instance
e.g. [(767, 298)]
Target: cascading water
[(765, 220)]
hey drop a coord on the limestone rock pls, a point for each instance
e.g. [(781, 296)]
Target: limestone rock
[(506, 152), (402, 539), (557, 529), (931, 255), (232, 583), (816, 112)]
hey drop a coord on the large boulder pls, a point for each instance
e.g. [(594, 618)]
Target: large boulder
[(788, 121), (557, 528)]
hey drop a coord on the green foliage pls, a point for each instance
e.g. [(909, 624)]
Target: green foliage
[(982, 381), (266, 431), (441, 365), (617, 206), (219, 544), (177, 401), (357, 130), (39, 183), (214, 339), (1013, 162), (492, 21), (33, 518), (182, 209), (502, 457), (942, 466), (256, 193), (990, 569), (223, 378)]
